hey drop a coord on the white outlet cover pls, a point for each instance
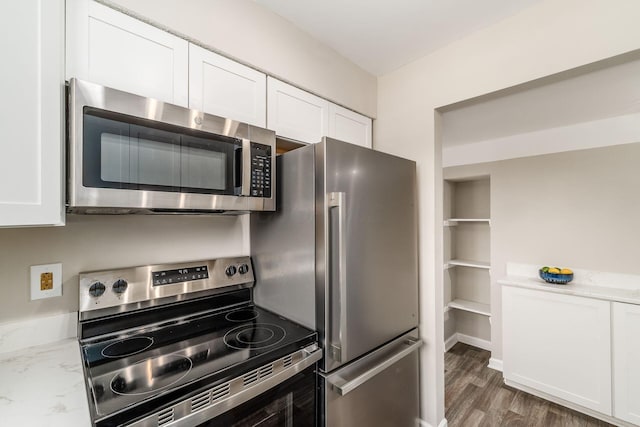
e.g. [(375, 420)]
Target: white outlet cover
[(36, 271)]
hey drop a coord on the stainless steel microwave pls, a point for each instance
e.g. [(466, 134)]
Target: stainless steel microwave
[(131, 154)]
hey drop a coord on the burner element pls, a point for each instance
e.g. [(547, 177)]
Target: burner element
[(127, 347), (151, 375), (254, 336), (242, 315)]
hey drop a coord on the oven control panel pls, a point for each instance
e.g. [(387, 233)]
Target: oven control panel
[(133, 288)]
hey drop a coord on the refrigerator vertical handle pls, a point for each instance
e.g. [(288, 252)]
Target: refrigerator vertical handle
[(337, 200)]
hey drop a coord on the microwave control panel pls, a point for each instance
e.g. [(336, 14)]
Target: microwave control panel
[(260, 170)]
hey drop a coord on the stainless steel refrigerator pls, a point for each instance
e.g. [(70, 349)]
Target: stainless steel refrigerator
[(339, 255)]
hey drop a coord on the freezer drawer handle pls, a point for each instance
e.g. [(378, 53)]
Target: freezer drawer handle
[(343, 386)]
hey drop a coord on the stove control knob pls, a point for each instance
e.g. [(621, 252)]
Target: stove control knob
[(231, 270), (96, 289), (119, 286), (243, 269)]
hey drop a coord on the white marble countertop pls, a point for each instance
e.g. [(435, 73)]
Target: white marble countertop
[(608, 293), (43, 386)]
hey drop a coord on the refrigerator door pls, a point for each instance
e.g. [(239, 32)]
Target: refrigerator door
[(366, 234), (379, 390)]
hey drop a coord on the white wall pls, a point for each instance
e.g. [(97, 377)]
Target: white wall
[(248, 32), (90, 243), (549, 37)]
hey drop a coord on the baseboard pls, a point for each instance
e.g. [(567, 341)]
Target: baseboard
[(495, 364), (474, 341), (37, 331), (423, 423), (450, 342)]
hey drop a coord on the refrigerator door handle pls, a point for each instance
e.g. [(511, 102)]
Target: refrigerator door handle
[(343, 386), (337, 200)]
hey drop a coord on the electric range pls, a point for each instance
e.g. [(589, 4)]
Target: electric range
[(184, 345)]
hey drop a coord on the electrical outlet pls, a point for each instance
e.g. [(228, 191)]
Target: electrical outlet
[(46, 281)]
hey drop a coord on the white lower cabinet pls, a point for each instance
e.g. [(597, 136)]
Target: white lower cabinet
[(32, 113), (626, 362), (220, 86), (110, 48), (559, 344), (349, 126)]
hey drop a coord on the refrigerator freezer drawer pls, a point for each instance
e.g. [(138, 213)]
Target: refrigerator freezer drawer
[(379, 390)]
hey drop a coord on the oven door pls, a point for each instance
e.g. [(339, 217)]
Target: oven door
[(282, 393), (290, 404)]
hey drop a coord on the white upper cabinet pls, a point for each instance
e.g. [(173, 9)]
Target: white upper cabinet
[(220, 86), (32, 113), (349, 126), (115, 50), (296, 114), (626, 355)]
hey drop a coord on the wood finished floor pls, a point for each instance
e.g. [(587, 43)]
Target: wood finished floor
[(476, 395)]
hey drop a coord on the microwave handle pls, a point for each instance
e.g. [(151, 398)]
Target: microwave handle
[(237, 170)]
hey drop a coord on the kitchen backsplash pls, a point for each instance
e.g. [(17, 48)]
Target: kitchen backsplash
[(88, 243)]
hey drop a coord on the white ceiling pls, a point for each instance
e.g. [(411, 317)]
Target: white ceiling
[(603, 90), (382, 35)]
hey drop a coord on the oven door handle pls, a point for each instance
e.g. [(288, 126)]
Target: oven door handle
[(193, 412)]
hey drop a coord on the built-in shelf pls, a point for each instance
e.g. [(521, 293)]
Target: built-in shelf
[(466, 219), (451, 222), (467, 263), (470, 306)]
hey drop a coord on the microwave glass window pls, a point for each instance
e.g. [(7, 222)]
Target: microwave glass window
[(203, 168), (139, 161)]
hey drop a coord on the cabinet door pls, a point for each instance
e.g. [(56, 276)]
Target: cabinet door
[(31, 113), (296, 114), (220, 86), (349, 126), (558, 344), (115, 50), (626, 358)]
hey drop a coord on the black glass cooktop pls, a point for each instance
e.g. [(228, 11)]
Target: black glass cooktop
[(129, 369)]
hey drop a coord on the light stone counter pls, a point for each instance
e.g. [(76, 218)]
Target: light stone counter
[(43, 386), (598, 285)]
